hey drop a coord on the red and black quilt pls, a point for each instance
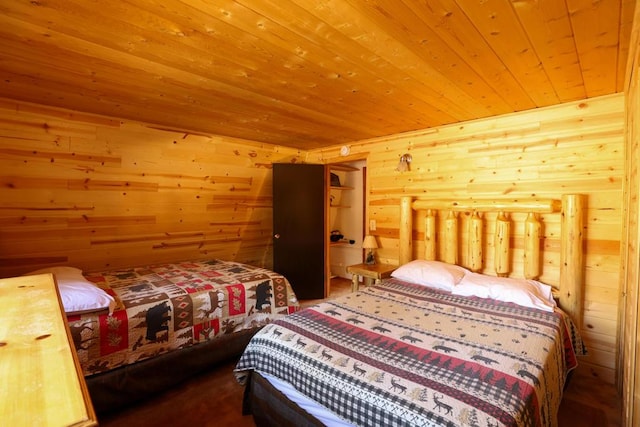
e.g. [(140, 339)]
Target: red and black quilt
[(165, 307), (402, 354)]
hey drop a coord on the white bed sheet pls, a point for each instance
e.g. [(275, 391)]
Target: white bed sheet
[(318, 411)]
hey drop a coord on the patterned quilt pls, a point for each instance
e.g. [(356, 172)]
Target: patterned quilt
[(171, 306), (403, 354)]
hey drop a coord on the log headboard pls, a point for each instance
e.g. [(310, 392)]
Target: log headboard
[(488, 235)]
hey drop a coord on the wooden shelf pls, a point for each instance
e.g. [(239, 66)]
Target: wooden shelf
[(345, 244), (343, 167), (346, 198)]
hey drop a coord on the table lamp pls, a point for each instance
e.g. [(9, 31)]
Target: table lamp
[(370, 244)]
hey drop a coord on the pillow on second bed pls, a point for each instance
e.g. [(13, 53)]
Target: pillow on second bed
[(435, 274), (527, 293), (77, 293)]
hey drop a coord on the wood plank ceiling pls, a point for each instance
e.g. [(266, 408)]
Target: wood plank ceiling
[(310, 73)]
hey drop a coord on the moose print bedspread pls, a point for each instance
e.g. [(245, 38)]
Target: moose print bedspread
[(402, 354), (171, 306)]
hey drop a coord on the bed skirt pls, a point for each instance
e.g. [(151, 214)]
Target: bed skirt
[(271, 408), (130, 384)]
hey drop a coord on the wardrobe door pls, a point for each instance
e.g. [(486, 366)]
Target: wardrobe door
[(299, 235)]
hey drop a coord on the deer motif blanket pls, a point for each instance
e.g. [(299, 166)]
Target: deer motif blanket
[(166, 307), (397, 353)]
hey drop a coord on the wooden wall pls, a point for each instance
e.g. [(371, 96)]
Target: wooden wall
[(96, 193), (571, 148), (629, 360)]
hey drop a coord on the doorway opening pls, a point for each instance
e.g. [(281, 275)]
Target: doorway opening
[(346, 222)]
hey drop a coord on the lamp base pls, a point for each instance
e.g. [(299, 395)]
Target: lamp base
[(370, 260)]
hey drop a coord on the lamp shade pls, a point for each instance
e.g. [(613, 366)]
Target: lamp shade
[(369, 242)]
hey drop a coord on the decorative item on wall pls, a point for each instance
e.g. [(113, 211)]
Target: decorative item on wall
[(370, 243), (405, 161)]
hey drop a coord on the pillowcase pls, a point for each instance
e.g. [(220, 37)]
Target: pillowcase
[(527, 293), (434, 274), (78, 295)]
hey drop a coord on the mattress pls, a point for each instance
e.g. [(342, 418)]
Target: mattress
[(397, 353), (167, 307)]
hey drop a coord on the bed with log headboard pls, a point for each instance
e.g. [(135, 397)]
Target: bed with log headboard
[(466, 334)]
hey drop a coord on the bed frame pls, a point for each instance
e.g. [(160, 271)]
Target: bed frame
[(489, 236), (564, 270), (120, 388)]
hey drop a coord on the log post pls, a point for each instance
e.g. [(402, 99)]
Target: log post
[(430, 236), (571, 256), (475, 242), (405, 249), (501, 261), (451, 238), (532, 228)]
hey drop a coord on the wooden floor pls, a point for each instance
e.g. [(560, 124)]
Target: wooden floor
[(215, 399)]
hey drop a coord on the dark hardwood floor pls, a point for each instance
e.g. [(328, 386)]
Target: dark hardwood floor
[(215, 399)]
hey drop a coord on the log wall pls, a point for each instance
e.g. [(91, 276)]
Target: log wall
[(573, 148), (97, 193)]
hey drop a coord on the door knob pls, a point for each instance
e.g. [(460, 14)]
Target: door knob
[(276, 236)]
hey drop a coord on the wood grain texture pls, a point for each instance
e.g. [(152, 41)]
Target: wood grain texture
[(569, 289), (476, 235), (629, 313), (532, 230), (97, 193), (405, 231), (577, 147), (572, 256), (574, 147), (430, 235), (42, 382), (303, 73), (502, 245)]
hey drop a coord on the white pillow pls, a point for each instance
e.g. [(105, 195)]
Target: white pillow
[(435, 274), (77, 293), (527, 293)]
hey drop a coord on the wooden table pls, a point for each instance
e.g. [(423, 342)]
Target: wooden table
[(369, 272), (41, 382)]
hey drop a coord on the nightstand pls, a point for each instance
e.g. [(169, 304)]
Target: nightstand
[(370, 273)]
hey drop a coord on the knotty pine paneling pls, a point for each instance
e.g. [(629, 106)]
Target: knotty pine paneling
[(576, 147), (629, 360), (98, 193), (305, 73)]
